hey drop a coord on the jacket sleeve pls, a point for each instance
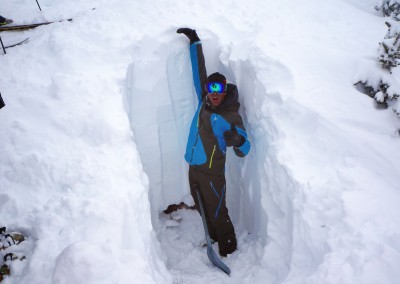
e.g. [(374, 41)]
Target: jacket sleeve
[(198, 68), (245, 148)]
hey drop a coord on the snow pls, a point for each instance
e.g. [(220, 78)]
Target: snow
[(95, 125)]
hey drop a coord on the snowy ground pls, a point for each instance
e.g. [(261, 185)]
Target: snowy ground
[(95, 126)]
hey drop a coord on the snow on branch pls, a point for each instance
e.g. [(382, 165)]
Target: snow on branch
[(389, 8), (381, 83)]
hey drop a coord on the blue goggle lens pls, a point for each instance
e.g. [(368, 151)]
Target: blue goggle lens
[(215, 87)]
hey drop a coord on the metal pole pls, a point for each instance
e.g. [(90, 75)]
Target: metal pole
[(38, 5), (2, 45)]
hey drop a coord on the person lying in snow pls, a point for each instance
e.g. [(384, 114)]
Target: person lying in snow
[(216, 125), (4, 21)]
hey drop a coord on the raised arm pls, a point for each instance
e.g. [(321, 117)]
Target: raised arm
[(199, 71)]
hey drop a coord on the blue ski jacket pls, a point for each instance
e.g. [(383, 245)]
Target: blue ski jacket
[(206, 146)]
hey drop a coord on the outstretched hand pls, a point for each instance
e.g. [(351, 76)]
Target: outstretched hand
[(191, 34)]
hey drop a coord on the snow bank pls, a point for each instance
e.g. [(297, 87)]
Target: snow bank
[(71, 177)]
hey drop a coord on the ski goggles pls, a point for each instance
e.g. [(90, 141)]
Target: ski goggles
[(215, 87)]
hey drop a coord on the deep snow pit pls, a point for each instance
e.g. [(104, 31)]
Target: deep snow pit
[(161, 102)]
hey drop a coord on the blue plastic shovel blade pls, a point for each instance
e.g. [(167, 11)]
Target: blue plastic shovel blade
[(217, 261)]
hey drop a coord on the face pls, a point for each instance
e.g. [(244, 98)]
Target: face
[(215, 98)]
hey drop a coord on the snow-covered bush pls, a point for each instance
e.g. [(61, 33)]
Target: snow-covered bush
[(389, 8), (381, 84), (385, 91), (389, 49)]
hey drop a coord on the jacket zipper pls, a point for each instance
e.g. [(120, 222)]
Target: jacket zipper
[(211, 159), (212, 155), (195, 143)]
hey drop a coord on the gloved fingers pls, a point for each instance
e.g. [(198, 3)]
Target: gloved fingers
[(233, 138), (185, 31), (191, 34)]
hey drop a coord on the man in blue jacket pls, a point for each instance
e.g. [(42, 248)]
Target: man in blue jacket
[(216, 125)]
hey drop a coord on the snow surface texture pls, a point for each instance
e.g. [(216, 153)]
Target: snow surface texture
[(93, 134)]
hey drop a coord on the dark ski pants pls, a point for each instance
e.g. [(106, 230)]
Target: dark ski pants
[(212, 189)]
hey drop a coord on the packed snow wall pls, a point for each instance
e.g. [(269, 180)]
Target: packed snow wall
[(159, 116), (161, 102), (268, 188)]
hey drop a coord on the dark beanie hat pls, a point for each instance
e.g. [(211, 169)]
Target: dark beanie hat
[(216, 77)]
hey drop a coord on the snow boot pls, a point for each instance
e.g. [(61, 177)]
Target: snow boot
[(227, 246)]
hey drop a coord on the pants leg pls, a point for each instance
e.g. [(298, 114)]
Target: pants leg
[(194, 178), (213, 193)]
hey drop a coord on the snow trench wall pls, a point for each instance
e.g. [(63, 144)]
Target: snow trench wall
[(161, 102)]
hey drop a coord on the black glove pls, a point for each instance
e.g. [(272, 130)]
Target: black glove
[(191, 34), (233, 138)]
